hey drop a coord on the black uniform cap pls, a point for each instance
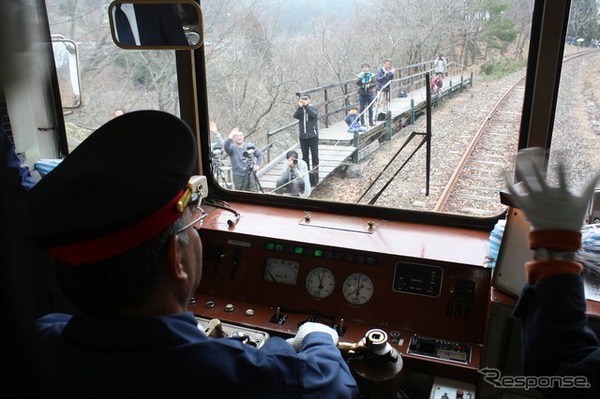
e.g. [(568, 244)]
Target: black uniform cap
[(116, 190)]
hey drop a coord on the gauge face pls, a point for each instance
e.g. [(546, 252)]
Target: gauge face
[(358, 288), (281, 271), (320, 282)]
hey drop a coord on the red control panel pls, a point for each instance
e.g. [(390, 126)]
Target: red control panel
[(273, 272)]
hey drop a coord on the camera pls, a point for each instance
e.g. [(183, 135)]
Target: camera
[(216, 151), (295, 161), (249, 152)]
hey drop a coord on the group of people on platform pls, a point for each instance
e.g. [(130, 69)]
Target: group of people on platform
[(373, 91), (373, 96), (437, 82), (297, 176)]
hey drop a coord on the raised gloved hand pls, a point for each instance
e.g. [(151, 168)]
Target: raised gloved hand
[(548, 207), (308, 328)]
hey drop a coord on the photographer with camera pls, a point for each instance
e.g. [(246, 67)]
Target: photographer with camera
[(246, 159), (294, 178), (308, 118), (385, 75), (366, 83)]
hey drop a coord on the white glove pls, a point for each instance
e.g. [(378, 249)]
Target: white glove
[(308, 328), (548, 207)]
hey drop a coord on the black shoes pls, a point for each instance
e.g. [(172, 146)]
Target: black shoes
[(371, 123)]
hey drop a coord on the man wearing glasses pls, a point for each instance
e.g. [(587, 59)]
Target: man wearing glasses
[(119, 215)]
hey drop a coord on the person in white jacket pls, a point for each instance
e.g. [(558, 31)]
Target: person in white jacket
[(440, 66)]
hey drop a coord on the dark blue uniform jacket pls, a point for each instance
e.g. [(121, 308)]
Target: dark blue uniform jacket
[(555, 338), (169, 356)]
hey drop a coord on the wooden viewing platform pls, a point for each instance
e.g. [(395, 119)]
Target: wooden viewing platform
[(330, 157), (336, 144)]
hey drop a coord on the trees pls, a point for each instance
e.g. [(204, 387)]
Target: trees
[(583, 20), (260, 53), (498, 29)]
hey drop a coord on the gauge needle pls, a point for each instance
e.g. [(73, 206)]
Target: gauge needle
[(321, 275), (357, 290), (358, 285), (272, 277)]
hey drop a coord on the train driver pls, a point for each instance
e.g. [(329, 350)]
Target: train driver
[(120, 220)]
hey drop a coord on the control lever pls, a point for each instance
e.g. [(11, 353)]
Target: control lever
[(340, 328), (214, 329), (375, 364), (372, 346), (279, 317)]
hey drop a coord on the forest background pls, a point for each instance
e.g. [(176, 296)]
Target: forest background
[(259, 53)]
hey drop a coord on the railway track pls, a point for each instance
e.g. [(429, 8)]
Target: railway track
[(479, 176), (473, 188)]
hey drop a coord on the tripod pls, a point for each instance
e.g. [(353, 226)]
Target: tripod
[(217, 170), (250, 182), (217, 167), (383, 97)]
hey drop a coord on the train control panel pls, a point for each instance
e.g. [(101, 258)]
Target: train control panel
[(423, 287)]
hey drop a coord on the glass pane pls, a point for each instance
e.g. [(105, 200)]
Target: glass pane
[(260, 59), (112, 79), (576, 132)]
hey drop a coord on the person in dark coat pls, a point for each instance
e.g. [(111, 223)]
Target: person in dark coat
[(366, 83), (308, 118), (385, 74)]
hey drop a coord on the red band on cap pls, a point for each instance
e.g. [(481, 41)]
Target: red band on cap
[(122, 241)]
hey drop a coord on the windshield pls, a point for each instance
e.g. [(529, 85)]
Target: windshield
[(329, 100), (365, 74)]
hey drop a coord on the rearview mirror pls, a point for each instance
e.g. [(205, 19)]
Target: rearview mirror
[(170, 24)]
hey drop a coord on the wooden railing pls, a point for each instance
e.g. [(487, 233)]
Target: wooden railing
[(334, 99)]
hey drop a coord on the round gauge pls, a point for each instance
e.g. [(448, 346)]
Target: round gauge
[(281, 271), (358, 288), (320, 282)]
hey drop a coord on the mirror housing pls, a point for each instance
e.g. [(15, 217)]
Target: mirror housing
[(66, 61), (164, 25)]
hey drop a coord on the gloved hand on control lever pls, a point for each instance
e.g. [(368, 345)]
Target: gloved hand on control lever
[(548, 207), (310, 327)]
